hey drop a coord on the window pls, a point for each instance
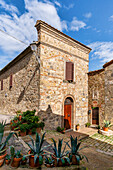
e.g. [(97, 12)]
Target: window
[(69, 71), (10, 82), (1, 84)]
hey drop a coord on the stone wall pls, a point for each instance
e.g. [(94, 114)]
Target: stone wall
[(96, 93), (55, 50), (109, 93), (24, 93)]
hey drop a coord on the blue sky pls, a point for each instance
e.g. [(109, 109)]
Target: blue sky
[(88, 21)]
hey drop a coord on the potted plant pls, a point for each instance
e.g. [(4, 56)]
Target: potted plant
[(107, 124), (7, 159), (36, 151), (39, 126), (20, 116), (60, 157), (77, 127), (49, 161), (23, 128), (16, 157), (61, 130), (33, 130), (15, 119), (74, 154), (3, 145), (23, 161), (87, 124), (98, 127)]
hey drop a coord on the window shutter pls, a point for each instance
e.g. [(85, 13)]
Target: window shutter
[(1, 84), (11, 78), (69, 71)]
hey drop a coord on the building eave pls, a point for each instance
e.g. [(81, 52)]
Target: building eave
[(107, 64)]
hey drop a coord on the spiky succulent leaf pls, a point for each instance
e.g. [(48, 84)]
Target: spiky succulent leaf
[(40, 160), (63, 161), (42, 140), (35, 158), (59, 147), (32, 140)]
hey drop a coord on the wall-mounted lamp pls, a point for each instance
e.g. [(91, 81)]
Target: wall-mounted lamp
[(35, 51)]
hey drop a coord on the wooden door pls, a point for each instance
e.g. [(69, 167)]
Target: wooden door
[(95, 116), (67, 116)]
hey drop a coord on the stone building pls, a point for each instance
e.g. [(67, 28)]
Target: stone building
[(100, 92), (50, 76)]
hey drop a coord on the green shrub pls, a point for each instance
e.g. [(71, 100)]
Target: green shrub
[(23, 127), (87, 124), (59, 129), (29, 113), (33, 130)]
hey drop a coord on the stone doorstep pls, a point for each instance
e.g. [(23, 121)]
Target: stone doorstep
[(106, 133)]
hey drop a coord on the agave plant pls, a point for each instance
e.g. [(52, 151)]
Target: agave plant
[(58, 153), (107, 123), (74, 150), (3, 145), (36, 148)]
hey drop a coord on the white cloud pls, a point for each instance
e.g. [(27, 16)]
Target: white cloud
[(88, 15), (7, 7), (69, 6), (22, 26), (76, 24), (111, 18), (102, 51), (58, 4)]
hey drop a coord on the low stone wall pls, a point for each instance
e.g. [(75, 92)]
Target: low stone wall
[(6, 118), (51, 120)]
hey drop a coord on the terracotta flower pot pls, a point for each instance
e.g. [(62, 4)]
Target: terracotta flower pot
[(2, 157), (24, 162), (38, 130), (77, 127), (49, 166), (16, 162), (74, 160), (7, 162), (59, 163), (30, 132), (22, 133), (105, 128), (31, 161)]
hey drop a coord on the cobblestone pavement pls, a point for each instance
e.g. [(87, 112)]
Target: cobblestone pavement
[(99, 153)]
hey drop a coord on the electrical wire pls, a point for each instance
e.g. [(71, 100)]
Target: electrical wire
[(12, 36)]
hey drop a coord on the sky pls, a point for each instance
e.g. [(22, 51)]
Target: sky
[(88, 21)]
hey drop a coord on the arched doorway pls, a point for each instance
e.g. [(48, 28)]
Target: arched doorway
[(68, 107)]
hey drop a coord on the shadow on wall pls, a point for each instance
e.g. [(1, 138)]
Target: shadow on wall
[(51, 120), (26, 87)]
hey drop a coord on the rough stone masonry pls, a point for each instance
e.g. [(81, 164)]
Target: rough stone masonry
[(43, 87)]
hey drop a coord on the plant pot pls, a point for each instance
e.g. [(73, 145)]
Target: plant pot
[(7, 162), (77, 128), (59, 163), (24, 162), (30, 132), (22, 133), (49, 166), (16, 162), (74, 160), (63, 132), (2, 157), (31, 161), (66, 163), (105, 128), (38, 129)]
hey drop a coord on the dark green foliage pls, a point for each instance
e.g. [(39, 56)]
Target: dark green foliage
[(23, 127), (49, 160), (8, 157), (58, 153), (3, 145), (36, 148), (74, 149), (33, 130), (87, 124), (59, 129), (15, 154), (29, 113)]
